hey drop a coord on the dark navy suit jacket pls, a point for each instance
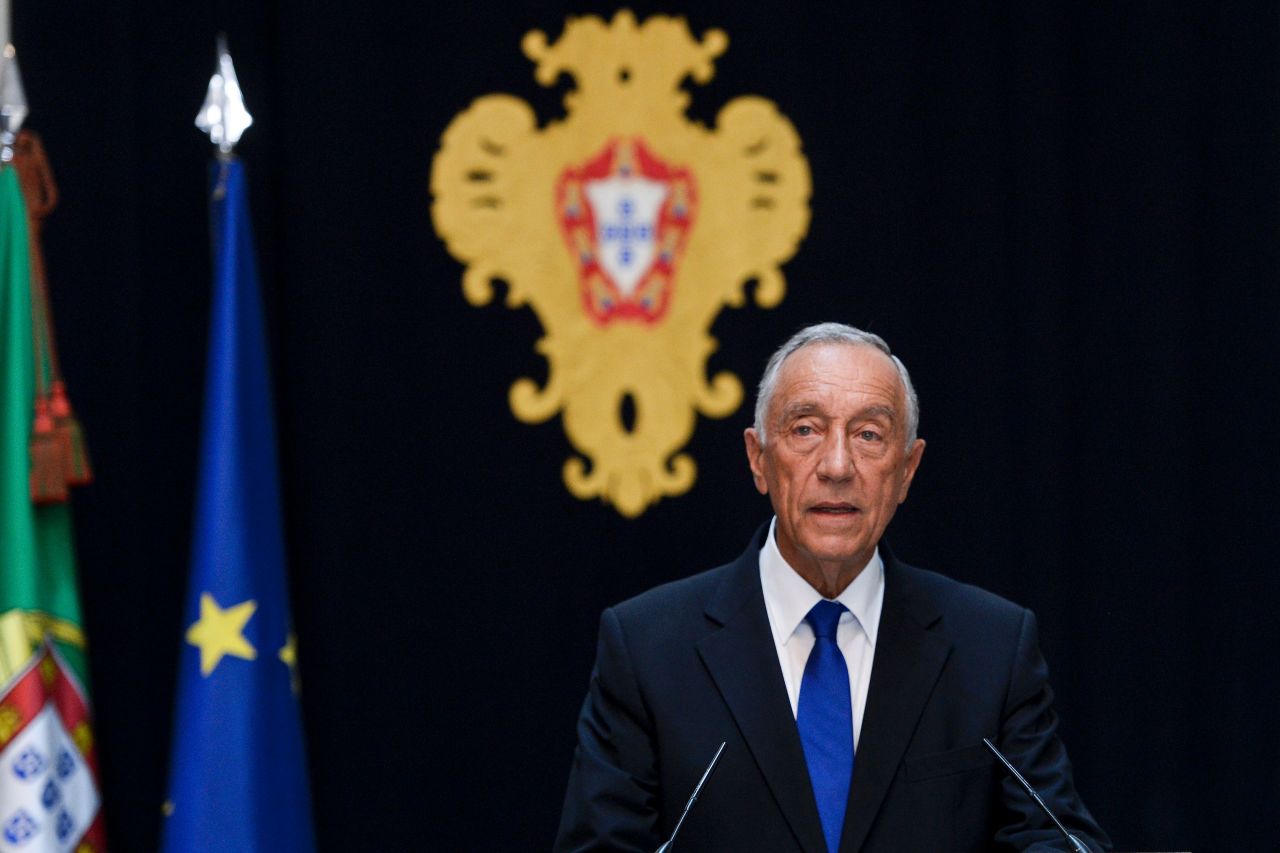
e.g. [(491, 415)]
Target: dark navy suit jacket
[(692, 663)]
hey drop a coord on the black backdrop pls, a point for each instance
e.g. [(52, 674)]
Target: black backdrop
[(1065, 218)]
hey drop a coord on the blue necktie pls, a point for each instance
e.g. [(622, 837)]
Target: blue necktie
[(824, 716)]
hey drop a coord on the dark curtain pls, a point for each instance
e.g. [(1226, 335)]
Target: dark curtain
[(1064, 217)]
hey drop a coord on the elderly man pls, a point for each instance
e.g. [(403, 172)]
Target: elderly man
[(853, 691)]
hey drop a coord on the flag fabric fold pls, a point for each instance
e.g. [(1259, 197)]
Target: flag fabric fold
[(49, 790), (238, 773)]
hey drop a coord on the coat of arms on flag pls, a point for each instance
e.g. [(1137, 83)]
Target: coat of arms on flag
[(48, 794), (627, 227)]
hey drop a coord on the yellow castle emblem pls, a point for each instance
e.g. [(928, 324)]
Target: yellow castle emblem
[(626, 227)]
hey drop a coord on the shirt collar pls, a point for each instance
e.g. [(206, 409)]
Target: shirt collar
[(791, 597)]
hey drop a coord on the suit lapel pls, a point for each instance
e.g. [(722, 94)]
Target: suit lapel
[(908, 660), (743, 663)]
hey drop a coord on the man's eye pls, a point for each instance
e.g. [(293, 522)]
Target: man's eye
[(869, 435), (803, 429)]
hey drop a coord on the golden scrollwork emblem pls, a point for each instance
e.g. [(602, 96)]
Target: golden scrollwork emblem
[(626, 227)]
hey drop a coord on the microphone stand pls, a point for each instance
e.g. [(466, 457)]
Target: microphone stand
[(1076, 845), (666, 848)]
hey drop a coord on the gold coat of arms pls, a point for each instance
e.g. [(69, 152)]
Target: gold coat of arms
[(626, 227)]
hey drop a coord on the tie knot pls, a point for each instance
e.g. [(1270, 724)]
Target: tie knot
[(824, 617)]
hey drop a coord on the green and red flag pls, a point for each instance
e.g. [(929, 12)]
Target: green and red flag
[(49, 790)]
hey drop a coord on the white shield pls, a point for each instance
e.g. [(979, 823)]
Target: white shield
[(47, 794), (626, 214)]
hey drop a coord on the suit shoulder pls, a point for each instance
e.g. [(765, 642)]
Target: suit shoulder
[(960, 600), (980, 624), (686, 595)]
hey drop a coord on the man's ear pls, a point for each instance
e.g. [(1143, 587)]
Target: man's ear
[(910, 464), (755, 458)]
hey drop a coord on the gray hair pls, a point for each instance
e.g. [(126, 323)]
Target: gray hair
[(831, 333)]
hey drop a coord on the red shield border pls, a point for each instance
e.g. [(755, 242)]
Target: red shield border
[(602, 299)]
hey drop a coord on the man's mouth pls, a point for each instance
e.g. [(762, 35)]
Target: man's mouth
[(834, 508)]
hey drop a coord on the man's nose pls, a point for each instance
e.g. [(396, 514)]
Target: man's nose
[(836, 461)]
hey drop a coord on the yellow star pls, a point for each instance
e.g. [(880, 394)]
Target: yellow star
[(220, 632), (289, 656), (289, 652)]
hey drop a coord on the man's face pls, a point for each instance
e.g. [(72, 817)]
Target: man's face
[(836, 465)]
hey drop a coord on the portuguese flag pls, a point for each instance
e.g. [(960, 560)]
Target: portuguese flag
[(49, 796)]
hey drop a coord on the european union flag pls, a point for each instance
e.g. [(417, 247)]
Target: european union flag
[(238, 773)]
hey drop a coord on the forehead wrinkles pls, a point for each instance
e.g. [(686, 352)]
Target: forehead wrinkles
[(837, 384)]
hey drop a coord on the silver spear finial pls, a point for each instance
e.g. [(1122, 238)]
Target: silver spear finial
[(223, 115), (13, 102)]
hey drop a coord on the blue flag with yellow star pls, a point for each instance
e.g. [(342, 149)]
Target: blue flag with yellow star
[(238, 771)]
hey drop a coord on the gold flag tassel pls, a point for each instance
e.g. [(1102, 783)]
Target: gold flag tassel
[(59, 457)]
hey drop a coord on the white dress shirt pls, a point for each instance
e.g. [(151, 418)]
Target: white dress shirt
[(788, 598)]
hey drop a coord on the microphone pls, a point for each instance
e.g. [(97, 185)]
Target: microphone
[(1075, 844), (706, 774)]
